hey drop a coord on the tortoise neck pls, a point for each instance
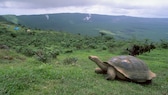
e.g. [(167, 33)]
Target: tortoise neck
[(101, 64)]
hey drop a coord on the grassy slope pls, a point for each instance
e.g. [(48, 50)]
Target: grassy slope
[(21, 75), (26, 77)]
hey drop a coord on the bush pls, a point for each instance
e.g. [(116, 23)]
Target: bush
[(28, 51), (54, 53), (42, 56), (70, 60), (164, 44), (92, 46), (3, 30)]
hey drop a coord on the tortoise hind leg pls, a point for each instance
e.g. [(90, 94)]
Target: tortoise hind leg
[(111, 73)]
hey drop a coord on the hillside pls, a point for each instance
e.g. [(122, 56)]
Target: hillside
[(91, 24), (2, 19), (45, 62)]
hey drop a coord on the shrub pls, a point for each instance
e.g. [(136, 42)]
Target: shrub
[(3, 30), (70, 60), (69, 51), (28, 51), (13, 35), (104, 47), (92, 46), (54, 53), (42, 56), (164, 44)]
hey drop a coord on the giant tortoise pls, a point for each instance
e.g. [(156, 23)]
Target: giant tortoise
[(124, 67)]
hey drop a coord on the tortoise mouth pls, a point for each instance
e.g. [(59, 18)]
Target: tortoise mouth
[(89, 57)]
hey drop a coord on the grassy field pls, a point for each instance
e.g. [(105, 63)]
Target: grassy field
[(20, 75), (56, 63)]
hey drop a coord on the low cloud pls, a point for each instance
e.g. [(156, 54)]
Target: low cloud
[(87, 18), (47, 17)]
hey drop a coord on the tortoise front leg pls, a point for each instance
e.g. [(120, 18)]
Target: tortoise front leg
[(111, 73), (100, 71)]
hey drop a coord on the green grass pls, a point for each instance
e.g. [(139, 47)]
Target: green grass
[(68, 71), (32, 77)]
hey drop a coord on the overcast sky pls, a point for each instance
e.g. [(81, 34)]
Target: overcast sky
[(138, 8)]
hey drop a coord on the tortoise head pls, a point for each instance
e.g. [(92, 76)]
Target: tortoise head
[(99, 62), (93, 58)]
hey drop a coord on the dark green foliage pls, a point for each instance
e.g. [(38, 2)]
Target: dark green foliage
[(54, 53), (164, 44), (42, 56), (68, 51), (140, 49), (70, 60), (13, 35), (3, 30), (26, 50)]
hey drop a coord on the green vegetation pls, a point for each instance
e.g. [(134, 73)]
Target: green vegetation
[(56, 63)]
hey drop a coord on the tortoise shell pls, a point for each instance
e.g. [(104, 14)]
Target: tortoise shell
[(131, 67)]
